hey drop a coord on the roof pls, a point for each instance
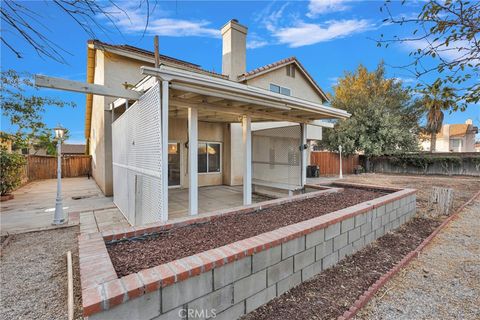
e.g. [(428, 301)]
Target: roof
[(149, 55), (281, 63), (73, 148)]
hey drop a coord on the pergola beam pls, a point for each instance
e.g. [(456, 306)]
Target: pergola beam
[(83, 87)]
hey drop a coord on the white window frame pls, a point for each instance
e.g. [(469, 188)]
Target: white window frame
[(280, 89), (221, 157)]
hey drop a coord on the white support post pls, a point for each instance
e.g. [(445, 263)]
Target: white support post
[(164, 106), (303, 133), (192, 161), (247, 160), (340, 158)]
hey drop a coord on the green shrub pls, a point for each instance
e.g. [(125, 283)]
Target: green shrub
[(11, 167)]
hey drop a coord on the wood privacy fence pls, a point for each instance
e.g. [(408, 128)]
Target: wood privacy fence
[(45, 167), (329, 162)]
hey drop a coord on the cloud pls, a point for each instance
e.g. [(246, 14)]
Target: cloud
[(455, 50), (318, 7), (303, 34), (134, 21), (254, 44)]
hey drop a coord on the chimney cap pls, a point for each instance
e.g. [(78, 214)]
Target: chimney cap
[(234, 24)]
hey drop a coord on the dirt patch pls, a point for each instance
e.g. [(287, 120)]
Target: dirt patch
[(332, 292), (33, 272), (135, 255)]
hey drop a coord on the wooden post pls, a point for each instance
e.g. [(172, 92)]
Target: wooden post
[(247, 160), (157, 52), (192, 161)]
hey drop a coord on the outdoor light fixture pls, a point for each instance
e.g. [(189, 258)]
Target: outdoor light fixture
[(59, 216)]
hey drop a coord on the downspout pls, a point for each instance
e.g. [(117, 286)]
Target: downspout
[(89, 102)]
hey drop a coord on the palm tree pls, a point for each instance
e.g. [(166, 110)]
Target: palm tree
[(436, 99)]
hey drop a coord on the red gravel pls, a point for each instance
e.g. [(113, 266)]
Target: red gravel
[(332, 292), (137, 254)]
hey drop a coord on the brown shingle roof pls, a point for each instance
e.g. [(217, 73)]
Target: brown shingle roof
[(73, 148), (150, 54)]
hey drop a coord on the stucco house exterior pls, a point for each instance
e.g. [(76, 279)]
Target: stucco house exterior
[(212, 118), (458, 137)]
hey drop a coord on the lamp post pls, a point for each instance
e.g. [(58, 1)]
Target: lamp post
[(341, 173), (59, 217)]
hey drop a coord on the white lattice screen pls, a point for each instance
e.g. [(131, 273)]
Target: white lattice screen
[(137, 162), (276, 156)]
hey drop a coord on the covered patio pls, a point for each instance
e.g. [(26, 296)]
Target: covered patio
[(142, 141)]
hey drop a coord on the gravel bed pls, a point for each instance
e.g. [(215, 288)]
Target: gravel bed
[(33, 273), (134, 255), (443, 283), (332, 292)]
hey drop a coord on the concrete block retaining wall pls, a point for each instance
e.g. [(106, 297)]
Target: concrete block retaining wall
[(233, 280)]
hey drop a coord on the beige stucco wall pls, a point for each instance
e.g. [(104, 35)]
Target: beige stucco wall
[(300, 86)]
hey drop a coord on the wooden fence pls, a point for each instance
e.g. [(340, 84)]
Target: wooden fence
[(45, 167), (329, 162)]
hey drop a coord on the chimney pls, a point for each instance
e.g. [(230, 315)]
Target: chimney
[(234, 49)]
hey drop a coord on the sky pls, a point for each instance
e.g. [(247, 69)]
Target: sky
[(328, 37)]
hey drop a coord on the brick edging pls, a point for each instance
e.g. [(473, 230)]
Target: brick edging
[(373, 289)]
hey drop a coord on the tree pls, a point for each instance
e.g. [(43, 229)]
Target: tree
[(446, 41), (18, 20), (23, 110), (436, 99), (384, 118)]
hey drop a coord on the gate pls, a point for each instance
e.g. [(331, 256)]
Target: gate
[(276, 156), (137, 161)]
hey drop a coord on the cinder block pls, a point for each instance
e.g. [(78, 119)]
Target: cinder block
[(388, 227), (385, 219), (311, 270), (323, 249), (369, 238), (279, 271), (379, 232), (144, 307), (389, 207), (340, 241), (216, 301), (360, 219), (330, 260), (369, 215), (231, 272), (303, 259), (332, 231), (250, 285), (393, 215), (396, 223), (293, 247), (175, 314), (266, 258), (396, 204), (345, 251), (365, 229), (359, 244), (377, 223), (347, 224), (182, 292), (234, 312), (354, 235), (261, 298), (288, 283), (315, 238), (380, 211)]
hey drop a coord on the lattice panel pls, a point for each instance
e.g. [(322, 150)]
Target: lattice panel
[(137, 161), (276, 156)]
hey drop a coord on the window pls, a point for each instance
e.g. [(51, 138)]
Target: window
[(456, 145), (278, 89), (209, 157), (291, 70)]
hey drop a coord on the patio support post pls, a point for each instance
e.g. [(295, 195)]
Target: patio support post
[(164, 128), (192, 161), (303, 150), (247, 159)]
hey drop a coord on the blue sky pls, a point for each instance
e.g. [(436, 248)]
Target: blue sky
[(328, 37)]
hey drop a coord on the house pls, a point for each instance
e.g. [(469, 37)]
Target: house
[(200, 127), (453, 138), (70, 149)]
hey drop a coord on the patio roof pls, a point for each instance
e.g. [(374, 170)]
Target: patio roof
[(223, 100)]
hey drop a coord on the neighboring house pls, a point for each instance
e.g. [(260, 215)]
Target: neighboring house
[(226, 115), (70, 149), (453, 138), (477, 146)]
